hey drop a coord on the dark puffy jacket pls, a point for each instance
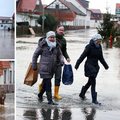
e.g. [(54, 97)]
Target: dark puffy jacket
[(93, 54), (48, 59), (63, 45)]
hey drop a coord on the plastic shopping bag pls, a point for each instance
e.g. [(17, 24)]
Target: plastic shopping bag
[(67, 77)]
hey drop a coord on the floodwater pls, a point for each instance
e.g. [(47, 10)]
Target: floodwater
[(71, 107), (7, 112), (6, 44)]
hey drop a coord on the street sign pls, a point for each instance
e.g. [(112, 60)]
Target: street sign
[(43, 17)]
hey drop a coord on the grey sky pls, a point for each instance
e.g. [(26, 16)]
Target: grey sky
[(7, 8)]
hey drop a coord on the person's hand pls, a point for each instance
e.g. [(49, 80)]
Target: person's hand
[(62, 63), (68, 60), (34, 69)]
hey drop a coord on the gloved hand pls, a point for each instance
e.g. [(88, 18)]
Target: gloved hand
[(62, 63), (35, 69)]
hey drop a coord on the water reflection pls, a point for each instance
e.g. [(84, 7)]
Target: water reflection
[(30, 114), (48, 114), (89, 113), (2, 112), (6, 44)]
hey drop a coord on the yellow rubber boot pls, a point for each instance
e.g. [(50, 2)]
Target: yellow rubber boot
[(40, 86), (56, 93)]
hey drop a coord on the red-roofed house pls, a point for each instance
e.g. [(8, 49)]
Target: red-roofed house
[(7, 75), (117, 10), (25, 11), (68, 12), (95, 18)]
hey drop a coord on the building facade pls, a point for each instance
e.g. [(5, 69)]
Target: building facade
[(5, 23), (117, 12), (96, 18), (7, 75), (72, 13)]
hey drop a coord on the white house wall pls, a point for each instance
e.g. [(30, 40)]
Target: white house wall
[(1, 79), (20, 17), (77, 4), (87, 17), (94, 24), (57, 2), (5, 25), (26, 18)]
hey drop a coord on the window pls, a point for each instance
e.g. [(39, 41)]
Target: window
[(4, 76), (10, 76), (1, 25), (2, 21), (57, 6)]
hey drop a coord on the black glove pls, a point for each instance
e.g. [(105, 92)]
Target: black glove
[(35, 69)]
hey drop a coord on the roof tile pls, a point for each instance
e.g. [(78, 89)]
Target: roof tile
[(4, 64), (27, 5), (1, 72)]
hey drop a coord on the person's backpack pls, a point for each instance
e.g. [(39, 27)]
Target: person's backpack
[(67, 77)]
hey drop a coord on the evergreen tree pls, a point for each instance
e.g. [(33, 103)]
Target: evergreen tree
[(106, 26), (49, 23)]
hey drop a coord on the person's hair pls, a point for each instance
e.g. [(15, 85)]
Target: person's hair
[(60, 26)]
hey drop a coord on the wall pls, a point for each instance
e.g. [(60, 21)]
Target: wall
[(94, 24)]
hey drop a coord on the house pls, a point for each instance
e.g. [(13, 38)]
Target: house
[(5, 23), (83, 6), (25, 12), (67, 13), (96, 18), (72, 13), (117, 12), (7, 75)]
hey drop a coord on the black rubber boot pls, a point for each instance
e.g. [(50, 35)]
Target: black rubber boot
[(94, 98), (82, 93), (49, 98), (40, 95)]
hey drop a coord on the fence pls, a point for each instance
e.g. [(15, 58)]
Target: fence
[(24, 30)]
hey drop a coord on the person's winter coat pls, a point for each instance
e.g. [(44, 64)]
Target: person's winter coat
[(63, 45), (93, 54), (48, 59)]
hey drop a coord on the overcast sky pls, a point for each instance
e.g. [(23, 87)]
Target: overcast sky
[(7, 8), (97, 4)]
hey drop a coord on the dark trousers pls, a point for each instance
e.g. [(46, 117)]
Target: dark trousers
[(47, 85), (91, 82), (58, 75)]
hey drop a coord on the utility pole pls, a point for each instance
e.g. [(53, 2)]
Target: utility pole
[(43, 21), (43, 17)]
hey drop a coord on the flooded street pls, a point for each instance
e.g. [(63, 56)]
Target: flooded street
[(6, 44), (7, 112), (71, 107)]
